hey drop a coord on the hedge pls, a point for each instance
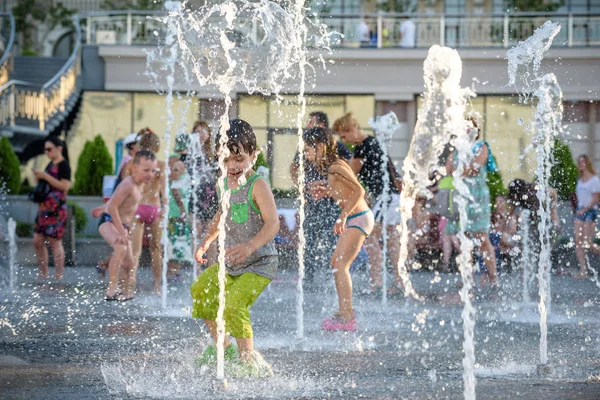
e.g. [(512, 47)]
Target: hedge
[(564, 172), (94, 163), (10, 173)]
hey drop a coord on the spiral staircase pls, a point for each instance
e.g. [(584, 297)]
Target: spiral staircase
[(39, 96)]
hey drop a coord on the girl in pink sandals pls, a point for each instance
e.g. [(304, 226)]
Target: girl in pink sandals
[(354, 224)]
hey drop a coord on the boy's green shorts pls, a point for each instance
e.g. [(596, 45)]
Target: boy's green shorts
[(240, 293)]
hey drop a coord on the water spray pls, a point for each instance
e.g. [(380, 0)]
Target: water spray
[(524, 61), (12, 253), (255, 45), (384, 128), (526, 256)]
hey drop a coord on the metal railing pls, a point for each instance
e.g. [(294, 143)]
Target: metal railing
[(128, 27), (43, 105), (6, 57), (378, 30)]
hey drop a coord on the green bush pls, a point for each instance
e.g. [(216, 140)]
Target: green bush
[(10, 173), (81, 217), (24, 229), (564, 172), (29, 52), (285, 193), (534, 5), (25, 187), (261, 161), (495, 185), (83, 169), (94, 163)]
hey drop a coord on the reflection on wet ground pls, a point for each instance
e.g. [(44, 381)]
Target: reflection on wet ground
[(64, 341)]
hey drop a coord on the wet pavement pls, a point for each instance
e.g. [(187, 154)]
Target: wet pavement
[(63, 341)]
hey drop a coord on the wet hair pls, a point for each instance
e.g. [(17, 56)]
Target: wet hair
[(320, 118), (521, 193), (207, 146), (203, 125), (317, 135), (240, 136), (345, 123), (143, 154), (149, 140), (55, 140), (588, 163), (473, 120)]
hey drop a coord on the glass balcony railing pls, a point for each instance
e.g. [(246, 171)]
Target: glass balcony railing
[(380, 30)]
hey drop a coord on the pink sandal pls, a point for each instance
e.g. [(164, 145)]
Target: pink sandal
[(337, 323)]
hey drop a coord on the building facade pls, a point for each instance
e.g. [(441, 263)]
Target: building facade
[(369, 72)]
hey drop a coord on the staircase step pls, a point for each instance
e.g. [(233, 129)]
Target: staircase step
[(36, 70)]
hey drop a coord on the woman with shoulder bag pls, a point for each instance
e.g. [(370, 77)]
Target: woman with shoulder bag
[(51, 217)]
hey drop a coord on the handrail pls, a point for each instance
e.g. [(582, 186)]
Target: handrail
[(383, 29), (43, 104), (105, 13), (19, 83), (11, 38), (374, 14), (70, 61), (7, 55), (72, 58)]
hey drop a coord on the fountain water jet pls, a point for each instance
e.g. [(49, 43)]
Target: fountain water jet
[(12, 253), (441, 121), (526, 256), (173, 56), (524, 61), (301, 32), (548, 123), (249, 44), (384, 127), (167, 57)]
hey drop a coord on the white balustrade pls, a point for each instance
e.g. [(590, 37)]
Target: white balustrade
[(378, 30)]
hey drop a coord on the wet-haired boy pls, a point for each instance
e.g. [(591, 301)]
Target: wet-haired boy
[(250, 259)]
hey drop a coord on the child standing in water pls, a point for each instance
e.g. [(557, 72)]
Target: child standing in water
[(251, 258), (178, 230), (115, 221), (354, 223)]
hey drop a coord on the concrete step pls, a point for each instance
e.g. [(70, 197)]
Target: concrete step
[(37, 70), (87, 252)]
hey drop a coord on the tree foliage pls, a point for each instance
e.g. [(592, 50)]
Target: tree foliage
[(30, 14), (397, 6), (132, 4), (534, 5), (94, 163), (564, 173), (495, 185), (10, 173), (261, 161)]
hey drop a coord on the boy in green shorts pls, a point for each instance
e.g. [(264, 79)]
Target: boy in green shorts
[(250, 259)]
